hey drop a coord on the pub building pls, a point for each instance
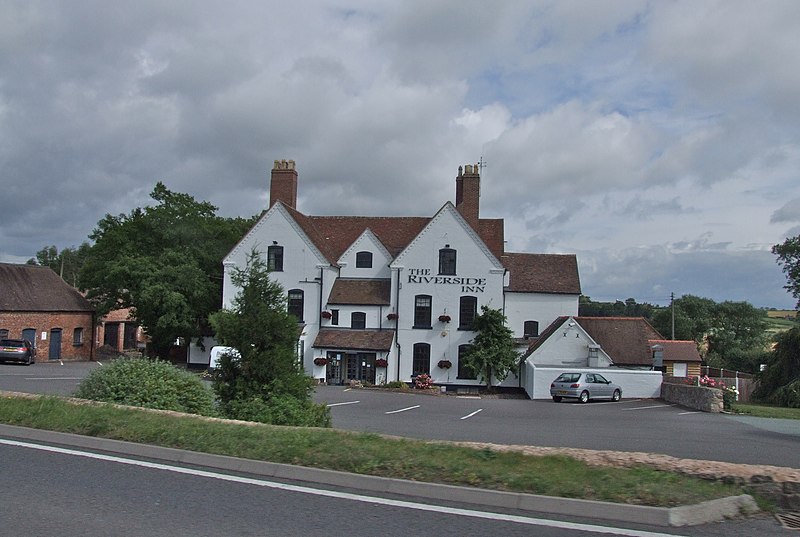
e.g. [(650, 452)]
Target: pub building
[(381, 299)]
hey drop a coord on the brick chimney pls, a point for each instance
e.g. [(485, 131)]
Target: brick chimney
[(283, 184), (468, 193)]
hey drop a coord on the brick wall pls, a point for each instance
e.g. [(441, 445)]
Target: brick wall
[(16, 322)]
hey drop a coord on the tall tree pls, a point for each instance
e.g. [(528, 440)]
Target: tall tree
[(779, 383), (163, 261), (693, 318), (264, 380), (67, 263), (788, 253), (492, 352)]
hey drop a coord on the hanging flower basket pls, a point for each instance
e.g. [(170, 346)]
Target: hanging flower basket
[(326, 315), (320, 360), (445, 364), (444, 318), (392, 316), (381, 362)]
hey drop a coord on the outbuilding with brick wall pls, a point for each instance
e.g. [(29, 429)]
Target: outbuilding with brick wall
[(37, 305)]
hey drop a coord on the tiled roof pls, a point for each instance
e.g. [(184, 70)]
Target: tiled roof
[(361, 292), (357, 340), (678, 350), (333, 235), (624, 339), (542, 273), (31, 288)]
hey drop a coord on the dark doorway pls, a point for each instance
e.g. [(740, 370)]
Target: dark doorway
[(111, 335), (129, 339), (55, 344)]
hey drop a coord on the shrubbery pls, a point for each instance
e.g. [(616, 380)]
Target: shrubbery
[(280, 410), (787, 395), (149, 384)]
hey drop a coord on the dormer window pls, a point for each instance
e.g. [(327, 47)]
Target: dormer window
[(358, 320), (275, 258), (531, 329), (364, 260), (447, 261)]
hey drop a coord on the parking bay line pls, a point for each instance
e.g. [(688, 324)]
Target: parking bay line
[(345, 403), (53, 378), (402, 409), (470, 415), (647, 407)]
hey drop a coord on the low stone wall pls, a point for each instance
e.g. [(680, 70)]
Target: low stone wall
[(697, 397)]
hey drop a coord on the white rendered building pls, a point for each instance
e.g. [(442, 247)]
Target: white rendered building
[(388, 298)]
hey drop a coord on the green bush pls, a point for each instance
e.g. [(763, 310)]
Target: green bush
[(788, 395), (149, 384), (397, 385), (280, 410)]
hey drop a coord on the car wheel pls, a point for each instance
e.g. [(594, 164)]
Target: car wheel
[(30, 359), (556, 398), (584, 397), (617, 396)]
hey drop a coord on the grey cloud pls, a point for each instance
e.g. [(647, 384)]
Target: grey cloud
[(790, 212), (651, 274)]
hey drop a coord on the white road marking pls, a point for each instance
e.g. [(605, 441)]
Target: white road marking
[(646, 407), (693, 412), (345, 403), (347, 389), (347, 496), (402, 409), (470, 415), (53, 378)]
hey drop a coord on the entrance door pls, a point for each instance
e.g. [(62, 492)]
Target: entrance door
[(129, 337), (111, 335), (361, 367), (29, 334), (333, 371), (55, 344)]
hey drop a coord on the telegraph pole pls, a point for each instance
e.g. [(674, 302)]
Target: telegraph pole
[(672, 307)]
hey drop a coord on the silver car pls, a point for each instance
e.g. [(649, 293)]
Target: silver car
[(584, 386)]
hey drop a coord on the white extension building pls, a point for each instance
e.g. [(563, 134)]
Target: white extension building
[(387, 298)]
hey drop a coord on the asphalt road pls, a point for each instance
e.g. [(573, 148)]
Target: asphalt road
[(630, 425), (46, 493), (51, 491)]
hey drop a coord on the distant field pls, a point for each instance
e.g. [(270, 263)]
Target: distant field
[(782, 314)]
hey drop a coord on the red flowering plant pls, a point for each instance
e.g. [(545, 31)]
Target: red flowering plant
[(705, 381), (445, 364), (381, 362), (729, 393), (423, 381), (320, 360)]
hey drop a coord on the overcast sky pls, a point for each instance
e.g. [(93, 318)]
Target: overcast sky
[(658, 141)]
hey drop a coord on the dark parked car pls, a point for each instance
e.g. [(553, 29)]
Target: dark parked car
[(584, 386), (17, 350)]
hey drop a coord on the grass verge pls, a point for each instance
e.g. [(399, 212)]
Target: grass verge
[(365, 453), (767, 411)]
